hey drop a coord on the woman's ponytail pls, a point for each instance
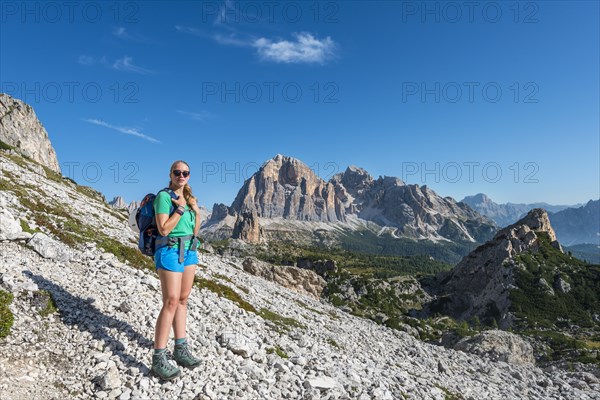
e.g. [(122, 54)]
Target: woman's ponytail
[(187, 192)]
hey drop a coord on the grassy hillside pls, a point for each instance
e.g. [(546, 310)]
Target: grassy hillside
[(373, 265), (538, 306), (568, 321)]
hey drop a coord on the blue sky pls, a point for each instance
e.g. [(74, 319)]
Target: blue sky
[(500, 97)]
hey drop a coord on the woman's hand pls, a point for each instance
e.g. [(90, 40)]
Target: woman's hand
[(193, 203), (179, 202)]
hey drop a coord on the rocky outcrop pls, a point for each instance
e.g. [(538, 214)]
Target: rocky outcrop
[(293, 278), (119, 203), (21, 129), (247, 227), (351, 187), (48, 247), (561, 285), (10, 228), (321, 267), (415, 211), (480, 284), (498, 346), (286, 187), (219, 212)]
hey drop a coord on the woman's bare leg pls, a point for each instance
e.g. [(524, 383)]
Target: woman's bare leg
[(170, 283), (180, 319)]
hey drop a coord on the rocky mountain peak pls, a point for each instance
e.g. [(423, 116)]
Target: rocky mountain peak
[(118, 202), (286, 187), (535, 220), (477, 286), (287, 170), (479, 198), (354, 179), (21, 129), (391, 181), (247, 227)]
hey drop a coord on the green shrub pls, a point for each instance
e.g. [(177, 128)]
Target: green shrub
[(4, 146), (224, 291), (6, 316), (537, 309), (45, 303)]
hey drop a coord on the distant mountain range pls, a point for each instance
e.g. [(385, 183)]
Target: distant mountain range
[(576, 224), (507, 213)]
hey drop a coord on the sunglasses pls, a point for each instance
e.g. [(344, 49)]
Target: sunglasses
[(178, 172)]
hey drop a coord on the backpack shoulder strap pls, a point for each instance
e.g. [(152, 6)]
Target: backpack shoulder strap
[(166, 189)]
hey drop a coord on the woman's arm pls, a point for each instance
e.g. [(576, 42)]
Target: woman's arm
[(194, 206), (197, 227), (166, 224)]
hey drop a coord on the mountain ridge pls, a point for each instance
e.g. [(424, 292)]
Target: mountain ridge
[(285, 187)]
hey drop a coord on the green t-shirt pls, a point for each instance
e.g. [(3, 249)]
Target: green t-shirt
[(187, 222)]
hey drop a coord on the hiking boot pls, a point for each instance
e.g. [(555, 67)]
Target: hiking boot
[(162, 368), (183, 356)]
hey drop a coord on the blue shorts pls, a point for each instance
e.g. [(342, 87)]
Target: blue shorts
[(167, 258)]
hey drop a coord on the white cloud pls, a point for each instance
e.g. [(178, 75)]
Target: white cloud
[(306, 49), (127, 131), (198, 116), (122, 64), (126, 64), (187, 29), (120, 31), (231, 40), (86, 60)]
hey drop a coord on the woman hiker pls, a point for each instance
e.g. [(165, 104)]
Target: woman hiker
[(175, 260)]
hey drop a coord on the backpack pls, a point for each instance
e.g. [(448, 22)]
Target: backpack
[(146, 222)]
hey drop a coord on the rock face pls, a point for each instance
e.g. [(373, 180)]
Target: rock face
[(286, 187), (415, 211), (479, 284), (48, 247), (20, 128), (10, 228), (247, 227), (561, 285), (219, 212), (499, 346), (119, 203), (321, 267), (297, 279)]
